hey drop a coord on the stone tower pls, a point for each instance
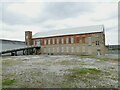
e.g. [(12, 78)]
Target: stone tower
[(28, 38)]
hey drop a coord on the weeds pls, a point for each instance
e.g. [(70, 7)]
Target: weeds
[(81, 73), (8, 82)]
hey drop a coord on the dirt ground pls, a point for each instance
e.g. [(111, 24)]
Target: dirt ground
[(59, 71)]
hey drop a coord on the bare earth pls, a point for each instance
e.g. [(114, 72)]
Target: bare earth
[(59, 71)]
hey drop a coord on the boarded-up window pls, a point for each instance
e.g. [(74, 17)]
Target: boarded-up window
[(48, 50), (48, 41), (72, 49), (67, 40), (89, 40), (97, 35), (53, 41), (62, 49), (77, 49), (77, 39), (57, 40), (53, 50), (72, 39), (45, 42), (57, 49), (67, 49), (83, 39), (62, 40), (45, 50)]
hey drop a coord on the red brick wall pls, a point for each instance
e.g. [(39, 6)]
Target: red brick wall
[(77, 38)]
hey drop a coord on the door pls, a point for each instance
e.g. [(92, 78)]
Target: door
[(38, 43), (98, 52)]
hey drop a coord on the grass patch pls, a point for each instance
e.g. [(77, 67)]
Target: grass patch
[(100, 58), (81, 73), (11, 62), (84, 70), (8, 82), (70, 62)]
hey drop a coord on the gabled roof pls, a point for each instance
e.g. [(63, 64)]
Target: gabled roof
[(70, 31)]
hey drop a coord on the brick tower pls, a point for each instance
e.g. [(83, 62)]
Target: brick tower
[(28, 38)]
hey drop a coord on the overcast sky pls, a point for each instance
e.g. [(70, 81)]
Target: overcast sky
[(18, 17)]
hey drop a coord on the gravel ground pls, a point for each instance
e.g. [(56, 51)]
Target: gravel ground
[(59, 71)]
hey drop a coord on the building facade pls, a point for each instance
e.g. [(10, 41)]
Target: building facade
[(88, 40)]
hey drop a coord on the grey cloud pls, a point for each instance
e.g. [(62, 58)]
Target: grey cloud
[(52, 11), (111, 16), (62, 10)]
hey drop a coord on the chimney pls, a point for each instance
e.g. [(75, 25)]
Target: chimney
[(28, 38)]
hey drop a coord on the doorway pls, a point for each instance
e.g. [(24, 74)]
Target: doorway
[(98, 52), (37, 43)]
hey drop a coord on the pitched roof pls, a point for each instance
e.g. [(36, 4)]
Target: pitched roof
[(70, 31)]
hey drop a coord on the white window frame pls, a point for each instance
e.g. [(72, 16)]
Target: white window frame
[(62, 40), (49, 41), (89, 41), (77, 49), (72, 49), (53, 41), (72, 39), (45, 41), (67, 49), (57, 49), (67, 40), (57, 40), (53, 50), (62, 49), (97, 35), (44, 50), (48, 50)]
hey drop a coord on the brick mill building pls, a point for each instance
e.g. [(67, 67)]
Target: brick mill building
[(89, 40)]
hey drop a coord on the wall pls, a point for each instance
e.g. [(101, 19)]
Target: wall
[(80, 46)]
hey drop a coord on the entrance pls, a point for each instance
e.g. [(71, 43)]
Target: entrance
[(38, 43), (98, 52)]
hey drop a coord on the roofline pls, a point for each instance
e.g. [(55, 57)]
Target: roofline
[(11, 40), (67, 35)]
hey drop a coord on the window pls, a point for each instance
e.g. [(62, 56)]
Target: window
[(67, 49), (97, 35), (67, 39), (72, 40), (77, 49), (77, 39), (53, 50), (72, 49), (83, 39), (62, 49), (48, 50), (62, 40), (48, 41), (44, 42), (97, 43), (57, 40), (53, 41), (89, 41), (57, 49), (44, 50), (37, 42)]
